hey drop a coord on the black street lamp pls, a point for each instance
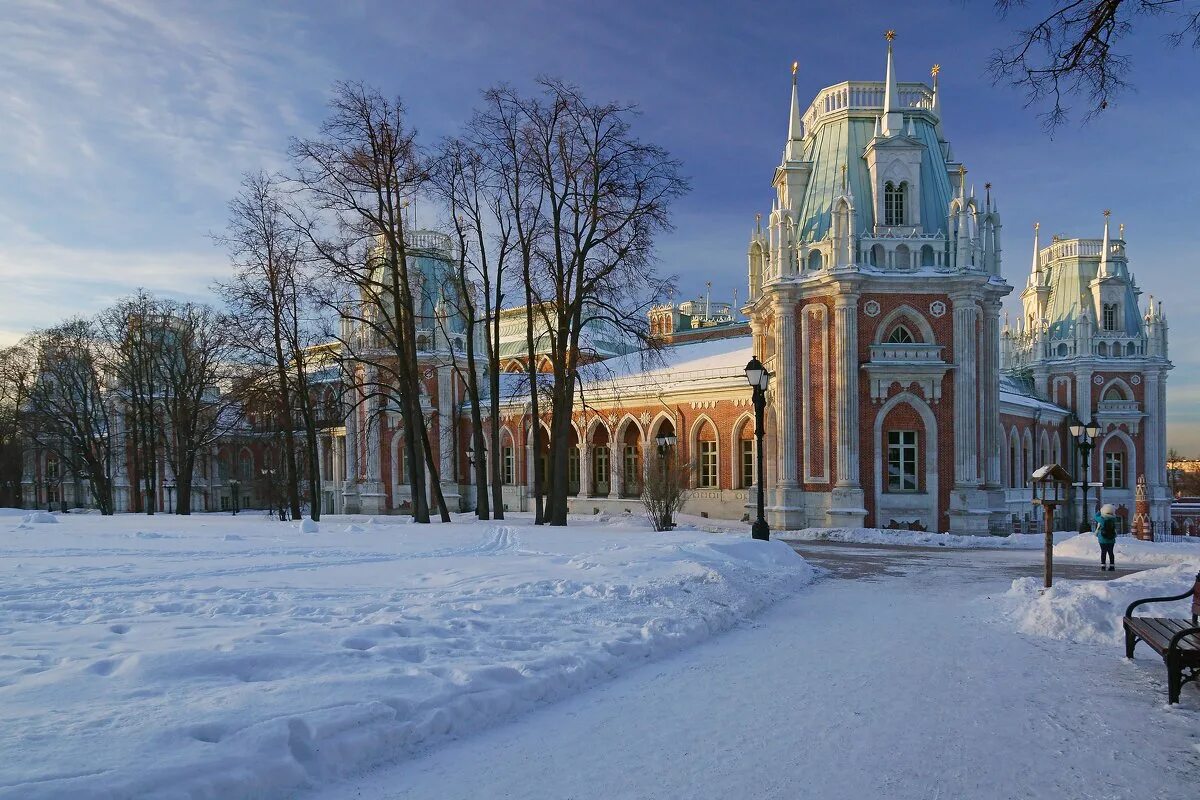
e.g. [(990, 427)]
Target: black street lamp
[(169, 486), (1085, 438), (234, 483), (665, 441), (758, 378)]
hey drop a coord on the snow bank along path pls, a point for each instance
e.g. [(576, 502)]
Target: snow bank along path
[(893, 686), (214, 656)]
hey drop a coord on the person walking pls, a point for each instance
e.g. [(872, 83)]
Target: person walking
[(1106, 534)]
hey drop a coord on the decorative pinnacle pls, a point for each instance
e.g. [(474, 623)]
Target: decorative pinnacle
[(889, 34), (934, 70), (843, 177), (1122, 230), (795, 66), (1107, 213), (1036, 226)]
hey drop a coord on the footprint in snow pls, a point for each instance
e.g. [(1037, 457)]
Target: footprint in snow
[(119, 628)]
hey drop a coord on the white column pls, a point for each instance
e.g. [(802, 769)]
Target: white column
[(845, 314), (351, 441), (785, 391), (966, 385), (990, 370), (585, 470), (616, 464)]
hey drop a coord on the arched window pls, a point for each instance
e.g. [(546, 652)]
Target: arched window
[(1131, 349), (814, 259), (926, 256), (1113, 392), (893, 203), (900, 335), (903, 257), (1102, 349), (706, 451), (1110, 316)]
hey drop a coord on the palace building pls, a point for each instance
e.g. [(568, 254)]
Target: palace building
[(897, 399)]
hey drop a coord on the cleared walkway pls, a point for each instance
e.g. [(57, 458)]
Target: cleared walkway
[(886, 680)]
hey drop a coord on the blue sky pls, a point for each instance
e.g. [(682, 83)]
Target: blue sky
[(124, 127)]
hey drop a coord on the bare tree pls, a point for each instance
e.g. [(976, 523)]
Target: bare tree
[(463, 182), (356, 181), (71, 414), (1069, 49), (665, 491), (192, 366), (607, 194), (274, 322), (134, 333), (17, 371)]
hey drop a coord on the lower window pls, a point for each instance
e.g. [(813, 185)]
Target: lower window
[(902, 461)]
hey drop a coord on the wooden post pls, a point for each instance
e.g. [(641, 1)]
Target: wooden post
[(1048, 508)]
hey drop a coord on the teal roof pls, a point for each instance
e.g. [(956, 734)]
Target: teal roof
[(843, 141), (1069, 281)]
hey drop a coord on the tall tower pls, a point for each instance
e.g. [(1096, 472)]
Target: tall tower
[(874, 297), (1089, 346)]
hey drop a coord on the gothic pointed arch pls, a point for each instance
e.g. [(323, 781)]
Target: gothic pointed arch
[(912, 319)]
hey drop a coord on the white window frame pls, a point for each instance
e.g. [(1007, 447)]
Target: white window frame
[(903, 452), (749, 464), (1114, 470), (707, 457)]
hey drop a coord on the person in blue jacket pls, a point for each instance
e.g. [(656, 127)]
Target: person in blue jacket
[(1106, 534)]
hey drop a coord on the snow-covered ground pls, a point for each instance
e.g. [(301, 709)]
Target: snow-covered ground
[(1091, 611), (891, 679), (227, 657), (1130, 551), (1026, 541)]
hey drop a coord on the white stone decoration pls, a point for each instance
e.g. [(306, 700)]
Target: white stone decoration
[(1136, 380), (937, 308), (871, 308), (1098, 380)]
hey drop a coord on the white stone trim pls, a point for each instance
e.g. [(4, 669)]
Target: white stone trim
[(930, 450)]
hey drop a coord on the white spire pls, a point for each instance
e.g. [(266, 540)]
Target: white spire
[(937, 103), (893, 117), (1035, 270), (793, 150), (1104, 265)]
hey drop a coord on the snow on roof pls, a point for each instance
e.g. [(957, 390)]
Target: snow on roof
[(727, 354)]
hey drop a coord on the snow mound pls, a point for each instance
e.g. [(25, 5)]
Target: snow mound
[(1130, 550), (43, 517), (1091, 611), (309, 526), (1020, 541), (353, 528), (199, 664)]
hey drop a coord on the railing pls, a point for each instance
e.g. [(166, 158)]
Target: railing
[(1118, 407), (865, 95), (1080, 248), (906, 352)]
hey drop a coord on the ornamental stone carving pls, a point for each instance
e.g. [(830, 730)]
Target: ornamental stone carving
[(937, 308), (871, 308)]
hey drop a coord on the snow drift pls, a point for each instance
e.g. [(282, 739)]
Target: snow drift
[(1091, 611), (233, 657)]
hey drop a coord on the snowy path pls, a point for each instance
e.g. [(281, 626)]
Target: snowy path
[(836, 694)]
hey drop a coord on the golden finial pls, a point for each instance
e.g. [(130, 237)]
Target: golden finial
[(935, 70), (889, 34), (1107, 213), (795, 66), (1122, 230), (843, 176), (1036, 226), (961, 170), (758, 217)]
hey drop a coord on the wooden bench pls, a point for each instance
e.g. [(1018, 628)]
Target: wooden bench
[(1176, 640)]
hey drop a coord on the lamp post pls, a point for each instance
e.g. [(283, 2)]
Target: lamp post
[(234, 483), (1085, 437), (758, 378), (665, 442), (169, 487)]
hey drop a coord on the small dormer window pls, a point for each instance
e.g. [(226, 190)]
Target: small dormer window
[(893, 203), (900, 335), (1110, 316)]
